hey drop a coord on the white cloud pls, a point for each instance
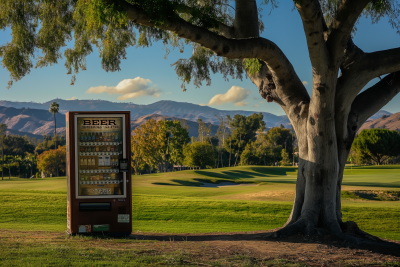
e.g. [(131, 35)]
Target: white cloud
[(72, 98), (256, 105), (241, 104), (305, 82), (168, 93), (235, 95), (202, 104), (128, 88)]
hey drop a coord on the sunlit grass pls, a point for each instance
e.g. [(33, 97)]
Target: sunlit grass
[(175, 202)]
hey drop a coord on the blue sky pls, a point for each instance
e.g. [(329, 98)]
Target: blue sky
[(283, 27)]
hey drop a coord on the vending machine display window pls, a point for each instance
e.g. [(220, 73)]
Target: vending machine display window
[(99, 149)]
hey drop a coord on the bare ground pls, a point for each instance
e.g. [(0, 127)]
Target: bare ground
[(229, 249)]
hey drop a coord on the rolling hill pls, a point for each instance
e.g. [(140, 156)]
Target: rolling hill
[(391, 122)]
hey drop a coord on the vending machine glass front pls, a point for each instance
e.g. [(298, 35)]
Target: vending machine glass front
[(99, 147)]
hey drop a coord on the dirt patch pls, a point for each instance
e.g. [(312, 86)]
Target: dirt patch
[(226, 249), (308, 250)]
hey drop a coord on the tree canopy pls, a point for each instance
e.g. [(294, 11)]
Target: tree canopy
[(377, 144)]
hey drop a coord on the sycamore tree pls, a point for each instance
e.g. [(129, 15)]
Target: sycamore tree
[(225, 38)]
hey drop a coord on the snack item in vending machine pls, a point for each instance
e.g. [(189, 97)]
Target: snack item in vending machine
[(107, 161)]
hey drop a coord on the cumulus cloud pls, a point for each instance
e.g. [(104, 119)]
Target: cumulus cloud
[(128, 88), (235, 95), (241, 104), (305, 82), (72, 98), (202, 104)]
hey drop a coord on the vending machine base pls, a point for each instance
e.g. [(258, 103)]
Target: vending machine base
[(104, 234)]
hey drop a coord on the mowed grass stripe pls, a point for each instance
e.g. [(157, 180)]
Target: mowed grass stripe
[(35, 210)]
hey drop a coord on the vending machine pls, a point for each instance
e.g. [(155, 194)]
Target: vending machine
[(98, 173)]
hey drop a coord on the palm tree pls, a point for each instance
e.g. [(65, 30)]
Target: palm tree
[(54, 108), (3, 132)]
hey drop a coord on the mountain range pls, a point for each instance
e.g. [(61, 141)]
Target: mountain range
[(390, 122), (187, 111), (35, 120)]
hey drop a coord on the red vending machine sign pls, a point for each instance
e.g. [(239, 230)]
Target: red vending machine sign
[(99, 193)]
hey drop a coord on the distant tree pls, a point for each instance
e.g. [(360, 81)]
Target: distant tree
[(222, 134), (54, 108), (250, 155), (31, 158), (48, 143), (244, 130), (179, 137), (204, 130), (53, 161), (17, 146), (147, 142), (199, 154), (3, 132), (285, 158), (8, 160), (280, 136), (231, 128), (377, 144)]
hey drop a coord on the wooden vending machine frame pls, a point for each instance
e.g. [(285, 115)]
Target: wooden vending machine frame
[(102, 213)]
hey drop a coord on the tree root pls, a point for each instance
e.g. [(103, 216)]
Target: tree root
[(349, 233)]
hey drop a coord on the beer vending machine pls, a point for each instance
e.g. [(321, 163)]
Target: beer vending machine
[(98, 172)]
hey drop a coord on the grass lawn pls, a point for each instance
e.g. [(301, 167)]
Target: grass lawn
[(174, 202)]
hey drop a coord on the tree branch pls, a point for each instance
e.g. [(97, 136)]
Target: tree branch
[(259, 48), (358, 68), (381, 62), (342, 25), (314, 27), (223, 29), (246, 19), (373, 99)]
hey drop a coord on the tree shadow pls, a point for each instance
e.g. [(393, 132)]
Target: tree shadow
[(382, 246), (390, 185), (230, 175), (181, 183), (200, 182)]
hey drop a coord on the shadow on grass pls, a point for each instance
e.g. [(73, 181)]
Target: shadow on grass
[(394, 184), (236, 176), (377, 167), (380, 246), (255, 172), (198, 182)]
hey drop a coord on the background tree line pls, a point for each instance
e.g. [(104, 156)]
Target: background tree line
[(159, 146), (24, 156), (375, 146)]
